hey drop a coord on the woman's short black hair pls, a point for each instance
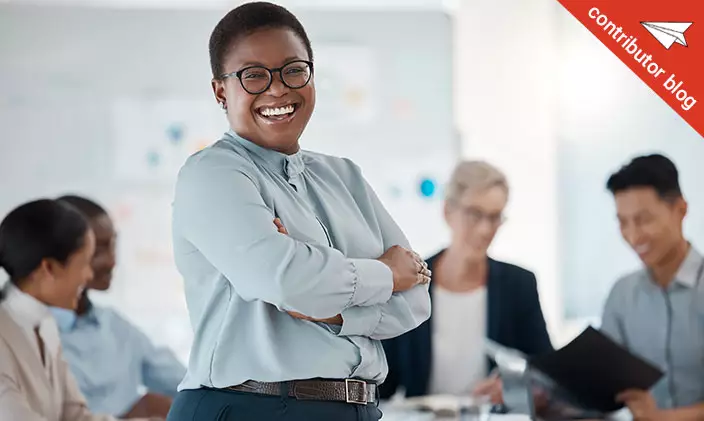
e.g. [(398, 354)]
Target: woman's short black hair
[(655, 171), (41, 229), (243, 21), (87, 207)]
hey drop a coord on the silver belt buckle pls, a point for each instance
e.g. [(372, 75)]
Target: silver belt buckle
[(348, 399)]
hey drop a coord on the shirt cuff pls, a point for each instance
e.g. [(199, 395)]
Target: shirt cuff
[(360, 321), (373, 283)]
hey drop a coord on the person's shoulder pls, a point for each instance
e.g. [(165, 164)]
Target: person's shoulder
[(112, 318), (224, 154), (220, 161), (5, 321), (8, 359), (341, 165), (513, 271)]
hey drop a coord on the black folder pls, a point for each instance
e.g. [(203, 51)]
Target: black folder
[(593, 369)]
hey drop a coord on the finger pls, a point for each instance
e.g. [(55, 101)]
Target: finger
[(628, 395), (298, 315), (280, 226), (426, 272), (422, 279), (419, 259), (497, 397), (483, 388), (490, 388)]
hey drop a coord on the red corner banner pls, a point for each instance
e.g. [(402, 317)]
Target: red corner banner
[(661, 41)]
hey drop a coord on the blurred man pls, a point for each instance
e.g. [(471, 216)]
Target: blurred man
[(656, 312), (111, 358)]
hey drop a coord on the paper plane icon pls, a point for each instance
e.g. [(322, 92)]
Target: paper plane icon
[(668, 33)]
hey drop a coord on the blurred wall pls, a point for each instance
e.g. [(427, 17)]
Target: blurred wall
[(505, 110)]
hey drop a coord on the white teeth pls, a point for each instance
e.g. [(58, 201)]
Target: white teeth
[(268, 112)]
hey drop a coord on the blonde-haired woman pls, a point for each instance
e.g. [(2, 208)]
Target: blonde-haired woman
[(473, 297)]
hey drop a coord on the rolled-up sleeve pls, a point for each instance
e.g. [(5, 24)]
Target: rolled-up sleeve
[(219, 210), (403, 311)]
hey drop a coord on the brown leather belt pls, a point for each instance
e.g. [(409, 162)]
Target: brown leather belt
[(348, 390)]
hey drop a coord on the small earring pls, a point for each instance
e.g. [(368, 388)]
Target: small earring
[(223, 106)]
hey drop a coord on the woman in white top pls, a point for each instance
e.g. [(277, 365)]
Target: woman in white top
[(46, 247)]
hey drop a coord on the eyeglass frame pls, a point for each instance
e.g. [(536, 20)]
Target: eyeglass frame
[(477, 216), (238, 75)]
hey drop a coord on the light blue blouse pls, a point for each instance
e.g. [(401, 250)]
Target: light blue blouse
[(241, 275)]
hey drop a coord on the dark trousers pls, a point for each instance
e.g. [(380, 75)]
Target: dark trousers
[(225, 405)]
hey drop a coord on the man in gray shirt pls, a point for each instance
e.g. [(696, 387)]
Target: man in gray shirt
[(658, 312)]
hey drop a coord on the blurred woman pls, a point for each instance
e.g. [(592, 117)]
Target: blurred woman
[(473, 296), (46, 247), (293, 269)]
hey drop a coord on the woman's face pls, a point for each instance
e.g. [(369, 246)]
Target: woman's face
[(475, 218), (271, 48), (68, 280)]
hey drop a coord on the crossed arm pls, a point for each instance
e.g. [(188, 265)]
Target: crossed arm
[(338, 319), (298, 277)]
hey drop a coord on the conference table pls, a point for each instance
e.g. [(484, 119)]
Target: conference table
[(406, 415), (445, 408)]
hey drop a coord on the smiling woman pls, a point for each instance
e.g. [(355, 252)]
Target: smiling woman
[(275, 96), (294, 271), (46, 247)]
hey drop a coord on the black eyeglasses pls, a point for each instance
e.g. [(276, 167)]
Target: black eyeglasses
[(257, 79)]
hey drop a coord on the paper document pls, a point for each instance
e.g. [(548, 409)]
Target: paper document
[(593, 369)]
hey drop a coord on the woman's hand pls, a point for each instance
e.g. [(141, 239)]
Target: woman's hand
[(491, 387), (337, 320), (280, 226), (408, 268)]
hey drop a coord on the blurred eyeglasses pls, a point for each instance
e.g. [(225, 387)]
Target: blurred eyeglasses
[(475, 216), (257, 79)]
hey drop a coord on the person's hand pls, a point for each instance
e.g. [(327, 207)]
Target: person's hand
[(151, 406), (336, 320), (641, 404), (280, 226), (492, 387), (408, 268)]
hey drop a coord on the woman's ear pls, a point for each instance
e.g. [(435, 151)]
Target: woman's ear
[(50, 269), (219, 92), (446, 210)]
